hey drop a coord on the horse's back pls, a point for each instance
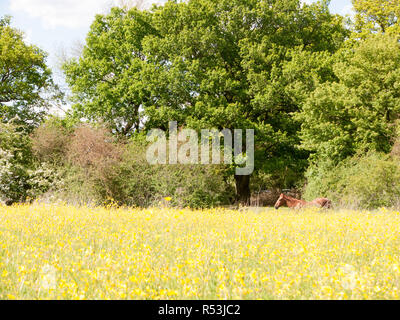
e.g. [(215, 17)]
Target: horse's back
[(324, 202)]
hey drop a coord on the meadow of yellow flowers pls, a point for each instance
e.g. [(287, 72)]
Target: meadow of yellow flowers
[(65, 252)]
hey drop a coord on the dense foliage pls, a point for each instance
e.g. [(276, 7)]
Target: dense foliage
[(357, 112), (24, 79), (205, 64), (368, 181), (377, 16)]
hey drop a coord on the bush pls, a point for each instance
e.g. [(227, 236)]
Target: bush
[(74, 186), (92, 147), (49, 141), (99, 170), (84, 156), (135, 182), (367, 182), (46, 178), (15, 161), (10, 188)]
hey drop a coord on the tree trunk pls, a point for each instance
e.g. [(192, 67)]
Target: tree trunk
[(243, 190)]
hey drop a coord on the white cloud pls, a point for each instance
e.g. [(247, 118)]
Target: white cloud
[(28, 36), (141, 4), (60, 13), (348, 10), (73, 14)]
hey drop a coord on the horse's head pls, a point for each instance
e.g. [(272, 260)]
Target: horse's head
[(281, 201)]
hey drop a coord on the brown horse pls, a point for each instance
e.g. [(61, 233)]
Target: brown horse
[(290, 202)]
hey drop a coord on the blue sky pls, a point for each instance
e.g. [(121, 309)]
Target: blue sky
[(57, 25)]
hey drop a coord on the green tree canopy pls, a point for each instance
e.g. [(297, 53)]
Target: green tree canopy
[(109, 80), (377, 16), (205, 64), (359, 111), (24, 78)]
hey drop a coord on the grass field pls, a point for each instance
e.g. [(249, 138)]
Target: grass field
[(62, 252)]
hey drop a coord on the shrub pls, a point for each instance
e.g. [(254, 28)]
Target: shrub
[(92, 147), (86, 154), (369, 181), (99, 170), (75, 187), (15, 161), (49, 141), (135, 182), (46, 178)]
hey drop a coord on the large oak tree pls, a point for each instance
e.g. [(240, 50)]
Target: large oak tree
[(206, 64)]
